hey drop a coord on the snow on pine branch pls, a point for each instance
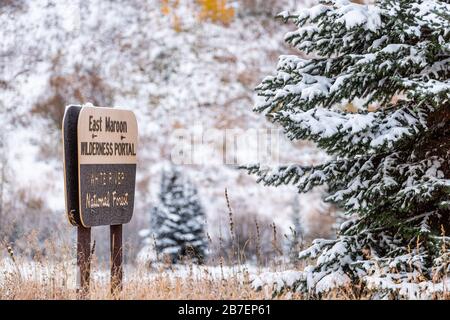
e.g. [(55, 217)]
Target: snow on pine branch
[(433, 14), (305, 93), (437, 91), (379, 285), (386, 270), (376, 76), (343, 17), (363, 184), (361, 133)]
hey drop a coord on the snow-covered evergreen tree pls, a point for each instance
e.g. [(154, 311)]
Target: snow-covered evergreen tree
[(178, 221), (390, 150)]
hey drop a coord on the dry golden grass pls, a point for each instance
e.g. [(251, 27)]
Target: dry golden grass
[(54, 276), (49, 271), (41, 282), (159, 289), (25, 281)]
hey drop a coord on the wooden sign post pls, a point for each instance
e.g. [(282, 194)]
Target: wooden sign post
[(100, 174), (84, 259)]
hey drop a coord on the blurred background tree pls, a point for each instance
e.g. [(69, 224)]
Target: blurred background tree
[(216, 11), (178, 220)]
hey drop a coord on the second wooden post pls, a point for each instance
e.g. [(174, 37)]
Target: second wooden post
[(116, 259), (84, 260)]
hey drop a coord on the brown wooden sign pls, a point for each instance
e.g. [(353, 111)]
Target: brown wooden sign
[(105, 141), (99, 178)]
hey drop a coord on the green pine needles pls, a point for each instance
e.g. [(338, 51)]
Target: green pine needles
[(179, 220), (390, 154)]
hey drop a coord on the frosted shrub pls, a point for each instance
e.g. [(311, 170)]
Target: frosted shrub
[(178, 220)]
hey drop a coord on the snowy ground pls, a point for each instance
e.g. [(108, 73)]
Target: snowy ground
[(66, 273)]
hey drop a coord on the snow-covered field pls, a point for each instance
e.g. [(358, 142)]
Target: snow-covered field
[(59, 280), (42, 272), (32, 280)]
